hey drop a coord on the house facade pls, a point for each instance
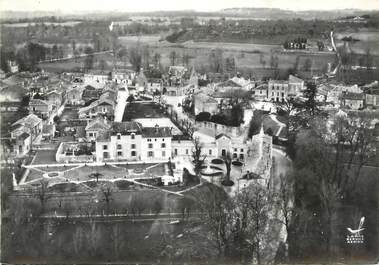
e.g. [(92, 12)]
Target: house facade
[(277, 90), (204, 103), (280, 90), (55, 98), (30, 124), (103, 106), (372, 99), (41, 108), (260, 92), (74, 96), (96, 127), (353, 101), (129, 141)]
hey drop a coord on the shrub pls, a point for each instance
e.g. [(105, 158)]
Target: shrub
[(219, 119), (237, 163), (203, 116), (217, 161), (227, 182), (216, 168), (213, 174)]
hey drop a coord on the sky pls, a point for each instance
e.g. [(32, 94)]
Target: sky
[(198, 5)]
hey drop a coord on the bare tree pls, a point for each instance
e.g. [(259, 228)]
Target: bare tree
[(284, 199), (93, 236), (137, 205), (252, 209), (157, 60), (135, 57), (217, 213), (116, 236), (77, 239), (198, 158), (157, 206), (334, 155), (228, 164), (106, 191), (41, 193), (173, 57)]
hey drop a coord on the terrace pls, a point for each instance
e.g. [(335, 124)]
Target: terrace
[(89, 174)]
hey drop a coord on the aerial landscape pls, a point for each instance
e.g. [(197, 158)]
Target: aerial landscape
[(189, 133)]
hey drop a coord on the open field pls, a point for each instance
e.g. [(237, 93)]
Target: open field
[(77, 64), (367, 40), (246, 55)]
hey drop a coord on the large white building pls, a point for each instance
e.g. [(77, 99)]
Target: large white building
[(129, 141), (280, 90)]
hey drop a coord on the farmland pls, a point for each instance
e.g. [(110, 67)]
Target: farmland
[(247, 56)]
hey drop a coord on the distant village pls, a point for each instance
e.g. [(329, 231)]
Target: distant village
[(125, 117)]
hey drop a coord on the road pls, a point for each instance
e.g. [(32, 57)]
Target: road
[(69, 58), (170, 218)]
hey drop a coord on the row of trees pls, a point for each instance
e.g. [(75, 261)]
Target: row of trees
[(219, 64)]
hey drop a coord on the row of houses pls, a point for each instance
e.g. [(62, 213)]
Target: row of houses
[(351, 97)]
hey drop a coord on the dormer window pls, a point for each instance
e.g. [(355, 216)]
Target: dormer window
[(133, 136)]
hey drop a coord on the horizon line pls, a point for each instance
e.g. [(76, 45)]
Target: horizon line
[(184, 10)]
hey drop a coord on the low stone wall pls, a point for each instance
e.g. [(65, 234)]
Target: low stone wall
[(219, 128)]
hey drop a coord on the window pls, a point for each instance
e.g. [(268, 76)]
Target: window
[(163, 153), (186, 151), (119, 153), (149, 140), (210, 152), (163, 140), (150, 145), (150, 154), (234, 155), (133, 146), (241, 156), (133, 136), (175, 151), (90, 134), (163, 145), (155, 139), (105, 147), (118, 136), (235, 149), (105, 155), (241, 149), (119, 146), (223, 152), (133, 153)]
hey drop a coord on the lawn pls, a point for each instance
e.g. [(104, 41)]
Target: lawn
[(55, 169), (135, 166), (77, 64), (45, 157), (84, 173), (34, 174), (69, 113), (142, 110), (249, 57)]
